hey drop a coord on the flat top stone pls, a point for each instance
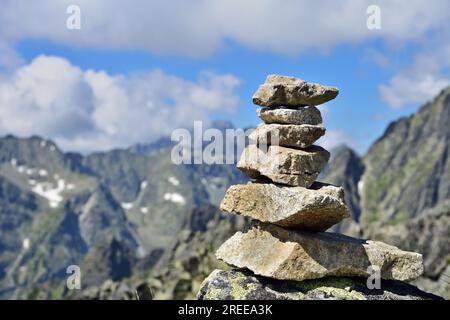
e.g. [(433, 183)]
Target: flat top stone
[(279, 79), (280, 90), (314, 209), (285, 254)]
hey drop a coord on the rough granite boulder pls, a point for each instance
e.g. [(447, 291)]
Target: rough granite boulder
[(284, 254), (242, 285), (287, 135), (292, 92), (293, 167), (314, 209), (304, 115)]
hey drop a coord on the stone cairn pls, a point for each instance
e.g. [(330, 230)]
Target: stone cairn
[(290, 209)]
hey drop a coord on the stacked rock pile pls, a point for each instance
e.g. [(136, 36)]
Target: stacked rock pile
[(290, 209)]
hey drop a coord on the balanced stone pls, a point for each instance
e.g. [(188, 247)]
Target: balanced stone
[(287, 135), (293, 167), (303, 115), (284, 254), (314, 209), (288, 91), (242, 285)]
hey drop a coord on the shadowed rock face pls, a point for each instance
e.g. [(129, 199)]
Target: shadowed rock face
[(407, 170), (288, 91), (313, 209), (241, 285), (287, 135), (285, 254), (297, 168), (345, 169), (304, 115)]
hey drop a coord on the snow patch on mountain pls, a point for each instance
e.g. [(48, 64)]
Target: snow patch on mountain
[(175, 198), (50, 192), (174, 181), (26, 244), (127, 205), (144, 210), (360, 186)]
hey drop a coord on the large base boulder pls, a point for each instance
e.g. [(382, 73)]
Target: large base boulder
[(241, 285), (284, 254)]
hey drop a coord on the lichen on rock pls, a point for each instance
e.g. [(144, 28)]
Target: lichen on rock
[(242, 285)]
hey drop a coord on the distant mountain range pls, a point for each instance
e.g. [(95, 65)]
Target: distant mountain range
[(59, 209), (131, 219)]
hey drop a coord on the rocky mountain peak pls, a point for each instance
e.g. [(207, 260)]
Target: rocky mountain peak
[(408, 169)]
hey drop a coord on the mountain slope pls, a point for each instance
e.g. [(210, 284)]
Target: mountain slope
[(184, 265), (429, 234), (345, 169), (155, 193), (408, 168)]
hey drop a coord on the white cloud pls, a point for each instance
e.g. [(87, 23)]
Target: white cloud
[(48, 96), (92, 110), (201, 27), (372, 55), (83, 110), (406, 89), (335, 138), (418, 83)]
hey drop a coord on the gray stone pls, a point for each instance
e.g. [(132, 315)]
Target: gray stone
[(314, 209), (242, 285), (303, 115), (287, 135), (282, 165), (284, 254), (288, 91)]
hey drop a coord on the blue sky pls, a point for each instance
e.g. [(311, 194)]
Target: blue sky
[(382, 74)]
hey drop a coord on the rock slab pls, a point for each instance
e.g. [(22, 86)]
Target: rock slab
[(284, 254), (293, 167), (314, 209), (241, 285), (287, 135), (303, 115), (292, 92)]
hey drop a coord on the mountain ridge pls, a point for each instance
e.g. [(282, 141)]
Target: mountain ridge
[(72, 202)]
